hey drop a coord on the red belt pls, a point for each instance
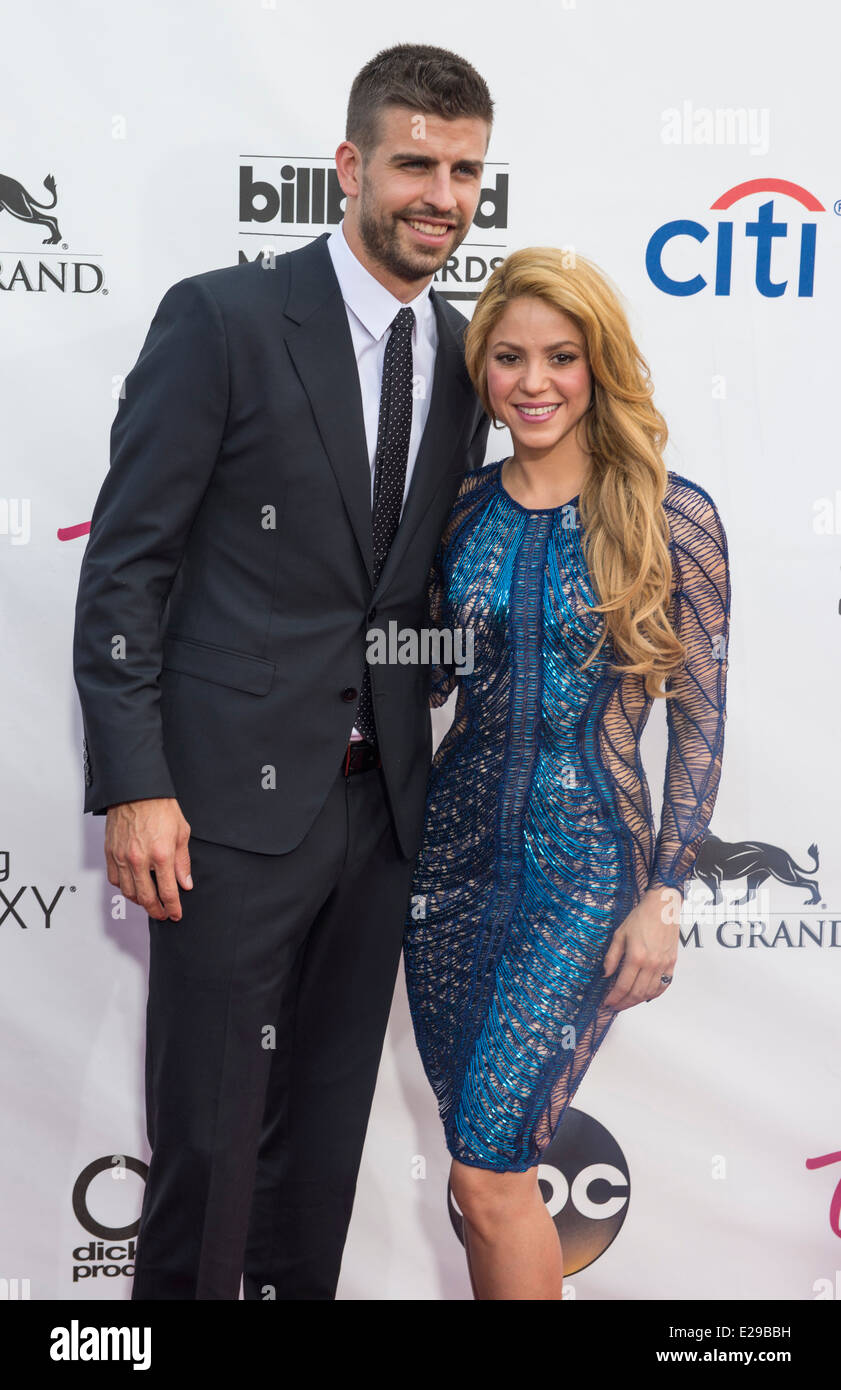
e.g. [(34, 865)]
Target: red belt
[(360, 756)]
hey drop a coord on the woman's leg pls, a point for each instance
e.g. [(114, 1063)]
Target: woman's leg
[(513, 1250)]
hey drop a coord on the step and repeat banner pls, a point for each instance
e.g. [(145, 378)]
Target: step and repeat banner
[(692, 153)]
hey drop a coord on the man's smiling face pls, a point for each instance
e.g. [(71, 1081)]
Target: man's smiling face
[(414, 201)]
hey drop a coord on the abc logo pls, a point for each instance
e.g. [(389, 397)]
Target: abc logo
[(586, 1187)]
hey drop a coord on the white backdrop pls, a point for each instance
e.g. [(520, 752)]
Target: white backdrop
[(609, 126)]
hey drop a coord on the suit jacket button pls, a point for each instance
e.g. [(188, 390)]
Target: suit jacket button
[(350, 693)]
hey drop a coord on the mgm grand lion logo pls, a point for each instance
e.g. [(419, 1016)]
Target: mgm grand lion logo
[(14, 199), (756, 862)]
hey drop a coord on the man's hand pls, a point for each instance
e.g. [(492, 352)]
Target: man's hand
[(646, 943), (148, 836)]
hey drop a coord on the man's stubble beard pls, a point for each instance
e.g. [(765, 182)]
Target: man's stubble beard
[(380, 237)]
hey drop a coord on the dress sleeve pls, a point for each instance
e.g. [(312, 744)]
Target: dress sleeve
[(696, 713), (443, 678)]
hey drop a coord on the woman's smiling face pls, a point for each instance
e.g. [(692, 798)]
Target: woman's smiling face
[(539, 381)]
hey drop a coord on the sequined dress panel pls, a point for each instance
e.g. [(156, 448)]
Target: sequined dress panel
[(538, 837)]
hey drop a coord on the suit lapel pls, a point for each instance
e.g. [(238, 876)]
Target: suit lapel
[(322, 350)]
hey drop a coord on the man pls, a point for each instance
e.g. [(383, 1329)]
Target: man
[(289, 444)]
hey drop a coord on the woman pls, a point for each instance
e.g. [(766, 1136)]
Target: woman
[(541, 904)]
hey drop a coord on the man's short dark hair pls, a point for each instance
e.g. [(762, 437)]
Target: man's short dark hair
[(418, 76)]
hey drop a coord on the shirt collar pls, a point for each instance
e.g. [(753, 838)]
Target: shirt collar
[(370, 301)]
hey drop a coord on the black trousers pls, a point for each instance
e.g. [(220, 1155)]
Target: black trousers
[(267, 1009)]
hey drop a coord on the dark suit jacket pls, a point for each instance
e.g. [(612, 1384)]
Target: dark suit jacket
[(227, 584)]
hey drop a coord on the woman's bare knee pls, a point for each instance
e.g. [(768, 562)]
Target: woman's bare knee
[(489, 1200)]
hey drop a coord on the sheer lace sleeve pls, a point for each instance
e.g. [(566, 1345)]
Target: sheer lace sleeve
[(443, 678), (696, 714)]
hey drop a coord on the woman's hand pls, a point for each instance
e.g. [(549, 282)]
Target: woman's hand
[(646, 943)]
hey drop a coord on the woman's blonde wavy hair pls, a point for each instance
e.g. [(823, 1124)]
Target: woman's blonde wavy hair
[(626, 536)]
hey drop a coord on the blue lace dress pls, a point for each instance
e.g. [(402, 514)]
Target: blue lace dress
[(538, 837)]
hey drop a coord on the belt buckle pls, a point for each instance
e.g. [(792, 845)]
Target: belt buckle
[(350, 753), (365, 749)]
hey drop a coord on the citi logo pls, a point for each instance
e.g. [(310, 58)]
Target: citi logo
[(782, 252)]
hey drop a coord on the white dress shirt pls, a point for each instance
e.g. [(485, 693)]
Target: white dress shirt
[(371, 309)]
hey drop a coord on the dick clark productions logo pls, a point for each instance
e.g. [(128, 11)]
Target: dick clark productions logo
[(112, 1252)]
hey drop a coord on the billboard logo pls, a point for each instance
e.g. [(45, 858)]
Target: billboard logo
[(297, 200)]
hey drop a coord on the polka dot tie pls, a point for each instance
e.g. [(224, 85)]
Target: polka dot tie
[(391, 458)]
